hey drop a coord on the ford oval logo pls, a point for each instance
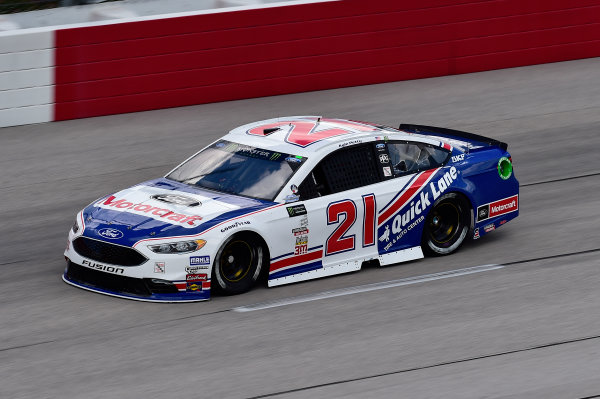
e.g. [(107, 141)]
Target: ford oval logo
[(111, 234)]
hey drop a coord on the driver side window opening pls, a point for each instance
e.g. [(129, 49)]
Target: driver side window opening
[(342, 170), (407, 157)]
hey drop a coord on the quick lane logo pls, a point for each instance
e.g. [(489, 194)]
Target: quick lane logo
[(296, 210), (443, 183), (411, 217), (416, 207)]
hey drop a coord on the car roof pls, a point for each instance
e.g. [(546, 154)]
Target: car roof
[(274, 134)]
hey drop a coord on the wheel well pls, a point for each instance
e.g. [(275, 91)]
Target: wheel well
[(468, 202), (465, 199), (263, 243)]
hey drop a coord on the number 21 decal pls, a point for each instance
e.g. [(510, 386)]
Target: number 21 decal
[(344, 212)]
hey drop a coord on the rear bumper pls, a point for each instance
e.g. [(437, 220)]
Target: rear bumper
[(140, 289)]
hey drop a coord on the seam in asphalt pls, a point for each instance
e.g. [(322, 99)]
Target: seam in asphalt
[(155, 323), (430, 366), (486, 356), (560, 179)]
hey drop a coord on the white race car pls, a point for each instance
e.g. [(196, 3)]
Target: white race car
[(292, 199)]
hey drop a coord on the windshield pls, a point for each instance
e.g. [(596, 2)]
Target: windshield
[(238, 169)]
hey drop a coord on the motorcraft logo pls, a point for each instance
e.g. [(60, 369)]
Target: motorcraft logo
[(154, 212), (111, 234), (497, 208)]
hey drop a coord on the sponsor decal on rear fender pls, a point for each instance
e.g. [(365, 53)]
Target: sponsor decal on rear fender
[(497, 208), (405, 213)]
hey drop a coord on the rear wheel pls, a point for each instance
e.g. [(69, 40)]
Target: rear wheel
[(238, 264), (447, 225)]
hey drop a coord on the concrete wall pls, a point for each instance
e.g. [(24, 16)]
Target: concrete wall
[(201, 58), (26, 77)]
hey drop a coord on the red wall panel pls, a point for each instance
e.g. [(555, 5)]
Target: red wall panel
[(225, 56)]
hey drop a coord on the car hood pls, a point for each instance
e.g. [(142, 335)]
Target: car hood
[(162, 208)]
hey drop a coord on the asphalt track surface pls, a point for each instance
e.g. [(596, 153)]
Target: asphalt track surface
[(529, 328)]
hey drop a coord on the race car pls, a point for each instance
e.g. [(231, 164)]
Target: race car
[(292, 199)]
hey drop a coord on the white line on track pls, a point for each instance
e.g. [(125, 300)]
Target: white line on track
[(366, 288)]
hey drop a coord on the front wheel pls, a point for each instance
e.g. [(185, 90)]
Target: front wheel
[(447, 225), (238, 264)]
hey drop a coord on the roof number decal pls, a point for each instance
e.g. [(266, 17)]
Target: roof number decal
[(306, 133)]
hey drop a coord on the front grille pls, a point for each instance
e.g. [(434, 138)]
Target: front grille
[(107, 252), (109, 282), (115, 283)]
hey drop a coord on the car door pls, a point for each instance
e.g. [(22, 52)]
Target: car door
[(408, 197), (340, 199), (349, 210)]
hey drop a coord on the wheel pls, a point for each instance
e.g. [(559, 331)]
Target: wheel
[(447, 225), (238, 264)]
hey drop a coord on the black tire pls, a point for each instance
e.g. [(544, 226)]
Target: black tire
[(446, 225), (238, 264)]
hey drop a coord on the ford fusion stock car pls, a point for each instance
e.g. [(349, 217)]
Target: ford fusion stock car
[(292, 199)]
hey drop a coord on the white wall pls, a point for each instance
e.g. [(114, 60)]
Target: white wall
[(26, 77)]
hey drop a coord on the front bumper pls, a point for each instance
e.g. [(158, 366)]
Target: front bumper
[(141, 289)]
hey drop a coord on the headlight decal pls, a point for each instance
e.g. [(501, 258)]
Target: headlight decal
[(178, 247)]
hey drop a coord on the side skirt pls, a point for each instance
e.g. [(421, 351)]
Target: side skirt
[(404, 255)]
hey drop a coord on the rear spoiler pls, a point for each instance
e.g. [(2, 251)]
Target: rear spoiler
[(470, 138)]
